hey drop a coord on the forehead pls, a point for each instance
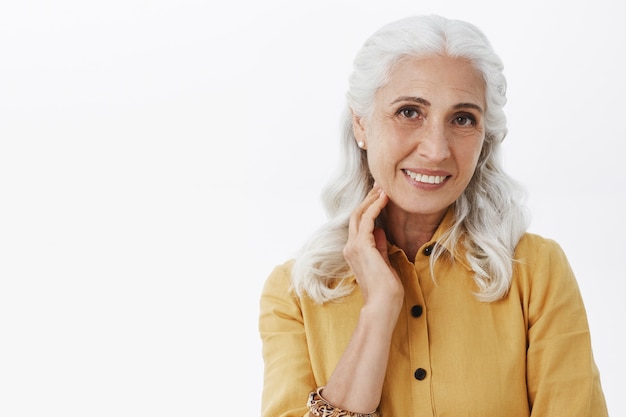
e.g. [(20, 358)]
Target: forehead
[(435, 78)]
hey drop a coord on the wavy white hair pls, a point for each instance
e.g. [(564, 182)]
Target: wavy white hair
[(489, 213)]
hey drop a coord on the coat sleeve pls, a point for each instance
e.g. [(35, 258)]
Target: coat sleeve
[(288, 378), (562, 376)]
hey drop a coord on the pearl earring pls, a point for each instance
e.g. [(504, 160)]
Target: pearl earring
[(361, 144)]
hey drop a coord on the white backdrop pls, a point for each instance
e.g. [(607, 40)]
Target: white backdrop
[(158, 159)]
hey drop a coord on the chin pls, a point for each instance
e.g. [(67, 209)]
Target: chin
[(418, 208)]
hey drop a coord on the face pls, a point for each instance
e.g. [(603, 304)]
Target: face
[(425, 133)]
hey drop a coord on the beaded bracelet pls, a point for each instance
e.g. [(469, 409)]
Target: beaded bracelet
[(319, 407)]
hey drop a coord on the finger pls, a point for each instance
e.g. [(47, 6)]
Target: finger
[(380, 239), (371, 197), (357, 214), (363, 229), (372, 211)]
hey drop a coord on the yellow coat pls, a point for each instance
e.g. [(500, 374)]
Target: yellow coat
[(528, 354)]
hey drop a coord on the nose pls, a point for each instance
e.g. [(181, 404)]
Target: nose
[(433, 143)]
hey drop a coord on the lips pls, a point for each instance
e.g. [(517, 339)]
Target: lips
[(424, 178)]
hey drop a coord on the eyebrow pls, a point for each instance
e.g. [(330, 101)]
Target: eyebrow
[(469, 106), (426, 103), (418, 100)]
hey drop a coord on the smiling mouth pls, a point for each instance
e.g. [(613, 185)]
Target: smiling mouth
[(425, 179)]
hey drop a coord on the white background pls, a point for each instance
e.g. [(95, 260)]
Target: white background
[(159, 158)]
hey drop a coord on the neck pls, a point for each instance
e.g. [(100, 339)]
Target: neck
[(409, 231)]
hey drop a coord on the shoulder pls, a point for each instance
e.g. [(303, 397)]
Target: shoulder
[(278, 303), (279, 280), (533, 248), (535, 251), (541, 267)]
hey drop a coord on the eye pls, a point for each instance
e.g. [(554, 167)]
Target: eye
[(464, 120), (409, 113)]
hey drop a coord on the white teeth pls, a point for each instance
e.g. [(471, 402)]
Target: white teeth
[(426, 179)]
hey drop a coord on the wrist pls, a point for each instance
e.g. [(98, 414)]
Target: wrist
[(381, 314)]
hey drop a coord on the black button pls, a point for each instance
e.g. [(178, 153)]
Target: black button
[(428, 250), (416, 310), (420, 374)]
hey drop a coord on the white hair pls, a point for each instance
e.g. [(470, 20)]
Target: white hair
[(489, 213)]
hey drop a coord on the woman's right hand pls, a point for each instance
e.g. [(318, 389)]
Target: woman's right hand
[(356, 384), (366, 253)]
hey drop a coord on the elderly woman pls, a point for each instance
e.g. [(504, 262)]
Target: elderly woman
[(423, 294)]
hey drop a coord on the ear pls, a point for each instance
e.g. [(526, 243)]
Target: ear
[(358, 129)]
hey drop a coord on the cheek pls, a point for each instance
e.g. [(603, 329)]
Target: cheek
[(467, 156), (373, 162), (377, 150), (472, 156), (478, 150), (390, 142), (379, 164)]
